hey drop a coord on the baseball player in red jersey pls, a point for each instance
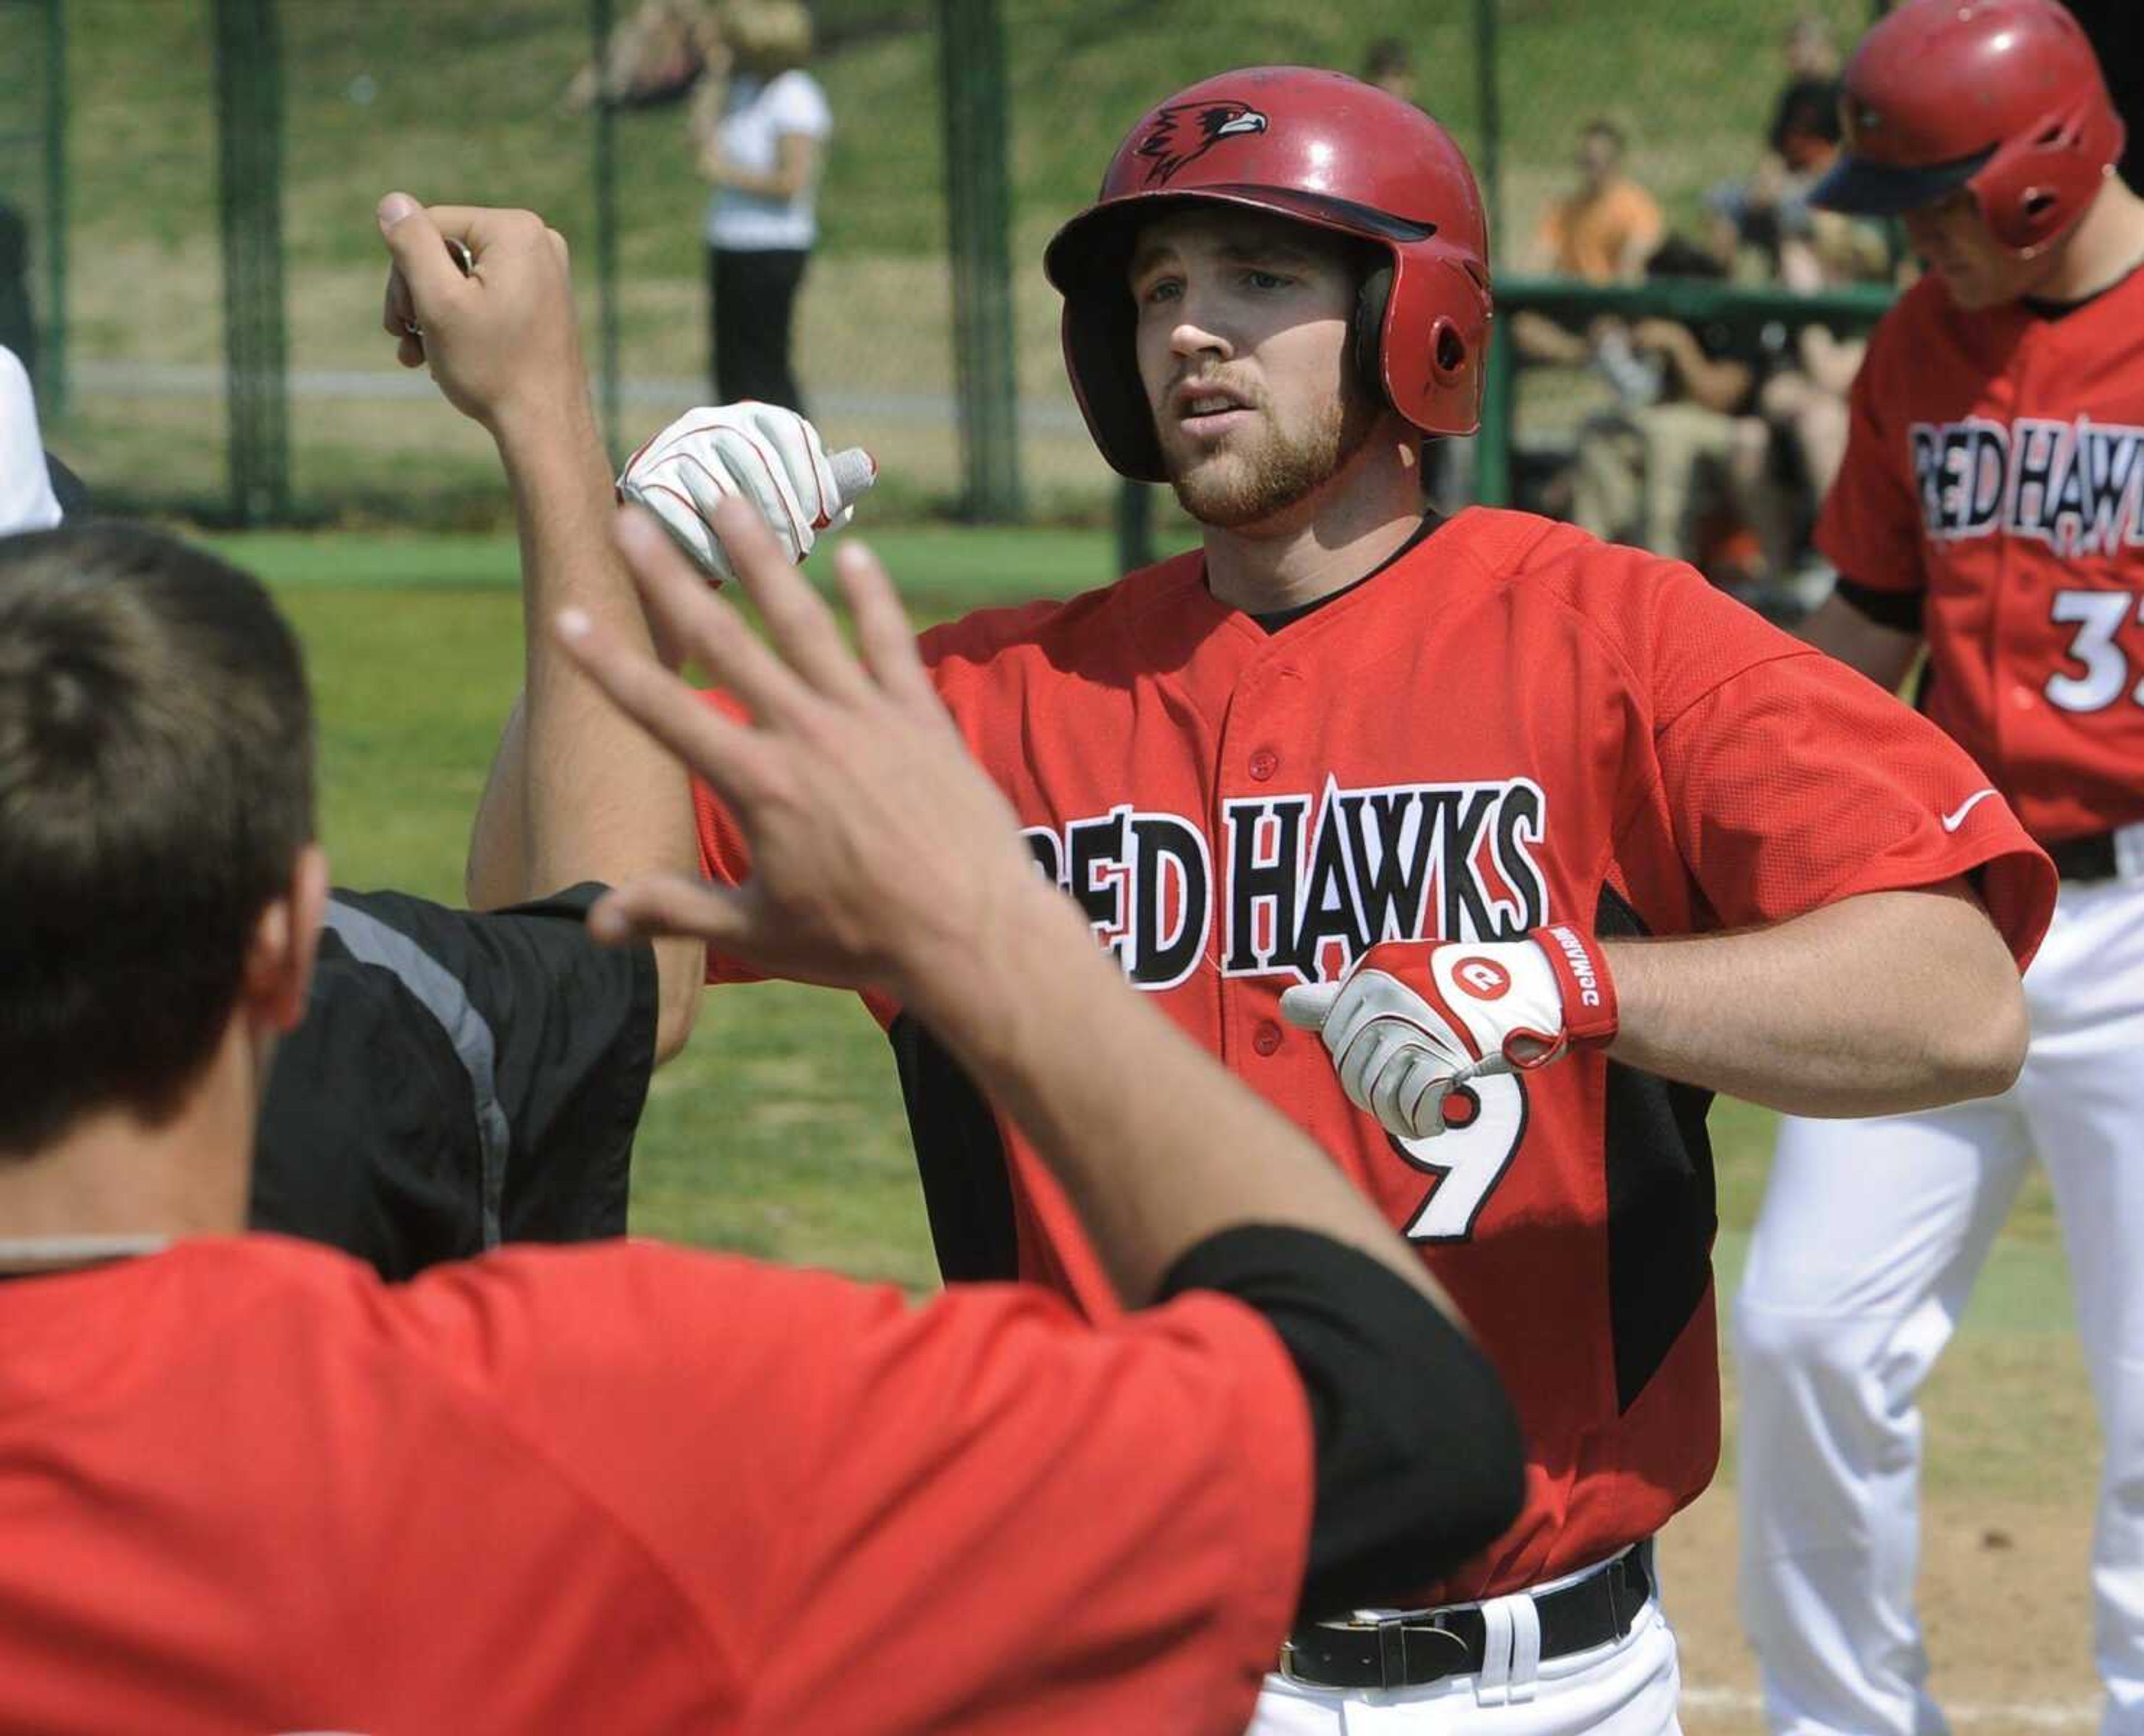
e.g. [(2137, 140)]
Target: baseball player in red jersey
[(1484, 849), (1991, 509)]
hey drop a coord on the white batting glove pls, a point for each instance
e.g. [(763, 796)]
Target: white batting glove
[(770, 456), (1412, 1019)]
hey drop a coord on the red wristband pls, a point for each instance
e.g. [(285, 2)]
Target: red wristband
[(1582, 973)]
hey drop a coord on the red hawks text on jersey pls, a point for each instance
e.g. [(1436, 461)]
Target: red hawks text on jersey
[(1510, 725), (1308, 881), (1996, 467)]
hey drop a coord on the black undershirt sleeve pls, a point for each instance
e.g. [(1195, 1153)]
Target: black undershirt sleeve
[(1419, 1462), (1899, 610), (460, 1079)]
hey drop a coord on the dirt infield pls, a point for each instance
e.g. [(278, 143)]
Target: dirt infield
[(2002, 1597)]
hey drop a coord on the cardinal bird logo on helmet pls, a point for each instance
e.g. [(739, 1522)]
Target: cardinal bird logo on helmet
[(1189, 130)]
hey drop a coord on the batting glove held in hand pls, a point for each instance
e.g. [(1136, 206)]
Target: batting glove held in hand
[(1413, 1019), (770, 457)]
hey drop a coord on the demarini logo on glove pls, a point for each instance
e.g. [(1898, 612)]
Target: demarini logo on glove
[(1189, 130), (1483, 979), (1581, 961)]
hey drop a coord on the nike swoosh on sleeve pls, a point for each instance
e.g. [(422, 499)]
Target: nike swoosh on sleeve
[(1956, 817)]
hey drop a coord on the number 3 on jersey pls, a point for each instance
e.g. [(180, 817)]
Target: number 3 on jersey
[(2097, 616), (1468, 1159)]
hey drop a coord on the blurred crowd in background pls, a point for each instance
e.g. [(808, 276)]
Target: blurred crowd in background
[(1722, 436)]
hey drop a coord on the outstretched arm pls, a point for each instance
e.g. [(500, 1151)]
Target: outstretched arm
[(759, 453), (1877, 1004), (1874, 1004), (576, 793)]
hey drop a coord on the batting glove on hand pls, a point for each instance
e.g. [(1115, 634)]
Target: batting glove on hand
[(1412, 1019), (769, 456)]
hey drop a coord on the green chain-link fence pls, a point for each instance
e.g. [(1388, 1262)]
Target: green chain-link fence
[(167, 288), (33, 188)]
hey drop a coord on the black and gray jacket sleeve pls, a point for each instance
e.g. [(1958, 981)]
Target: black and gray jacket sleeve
[(460, 1079)]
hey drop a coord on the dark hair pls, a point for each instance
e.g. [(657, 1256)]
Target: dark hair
[(1604, 128), (1677, 256), (1387, 55), (155, 787)]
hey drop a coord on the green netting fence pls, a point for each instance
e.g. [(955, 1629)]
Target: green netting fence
[(194, 181)]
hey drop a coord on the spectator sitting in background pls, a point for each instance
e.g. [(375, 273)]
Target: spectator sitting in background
[(655, 56), (1804, 131), (1679, 468), (1602, 232), (1770, 210), (1803, 402), (1389, 66), (759, 136)]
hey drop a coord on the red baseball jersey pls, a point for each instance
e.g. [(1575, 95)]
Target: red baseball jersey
[(247, 1487), (1995, 465), (1511, 723)]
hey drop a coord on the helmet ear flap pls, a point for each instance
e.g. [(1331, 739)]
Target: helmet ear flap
[(1367, 344), (1431, 365), (1099, 330)]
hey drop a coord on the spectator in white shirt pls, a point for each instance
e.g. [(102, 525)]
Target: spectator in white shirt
[(760, 138)]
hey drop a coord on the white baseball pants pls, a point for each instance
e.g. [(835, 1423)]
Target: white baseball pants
[(1626, 1688), (1871, 1235)]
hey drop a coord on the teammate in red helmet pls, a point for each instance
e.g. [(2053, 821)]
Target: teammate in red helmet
[(1991, 509), (1485, 850)]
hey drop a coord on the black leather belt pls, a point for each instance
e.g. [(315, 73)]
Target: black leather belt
[(2091, 858), (1415, 1649)]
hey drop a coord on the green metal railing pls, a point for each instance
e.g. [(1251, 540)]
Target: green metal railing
[(979, 216), (249, 92), (603, 168), (33, 185), (52, 352), (1690, 302)]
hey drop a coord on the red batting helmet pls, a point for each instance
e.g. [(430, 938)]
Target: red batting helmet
[(2003, 97), (1323, 149)]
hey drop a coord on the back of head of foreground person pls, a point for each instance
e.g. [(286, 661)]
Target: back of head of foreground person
[(248, 1485)]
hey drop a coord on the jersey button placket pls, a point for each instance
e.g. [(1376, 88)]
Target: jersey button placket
[(1261, 710)]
